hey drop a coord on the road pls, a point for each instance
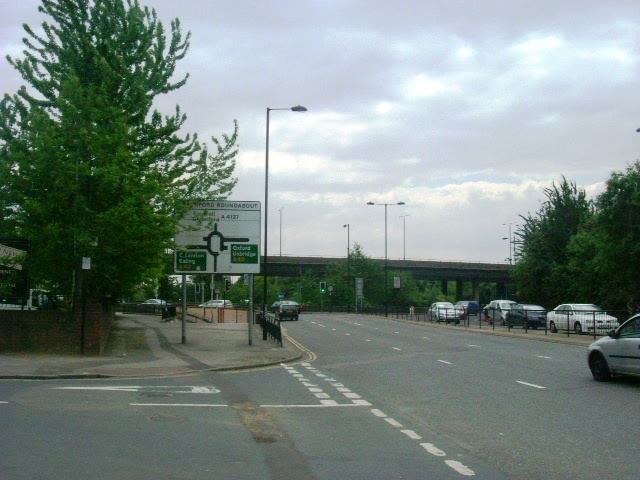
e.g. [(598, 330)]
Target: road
[(375, 398)]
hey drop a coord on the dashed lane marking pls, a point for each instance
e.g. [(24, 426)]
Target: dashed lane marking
[(445, 362), (531, 385)]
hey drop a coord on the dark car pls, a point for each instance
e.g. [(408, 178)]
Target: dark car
[(286, 310), (465, 308), (526, 314)]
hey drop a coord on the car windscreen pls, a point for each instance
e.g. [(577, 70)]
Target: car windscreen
[(587, 308)]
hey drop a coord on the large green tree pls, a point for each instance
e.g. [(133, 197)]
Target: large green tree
[(542, 273), (87, 167), (616, 236)]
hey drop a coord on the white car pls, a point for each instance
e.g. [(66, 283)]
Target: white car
[(217, 304), (496, 311), (443, 312), (580, 317), (154, 301), (618, 353)]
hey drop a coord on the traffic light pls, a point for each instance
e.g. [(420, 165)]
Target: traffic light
[(227, 284), (323, 287)]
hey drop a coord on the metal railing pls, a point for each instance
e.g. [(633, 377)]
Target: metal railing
[(271, 327)]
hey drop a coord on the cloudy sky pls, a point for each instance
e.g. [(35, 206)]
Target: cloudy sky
[(464, 110)]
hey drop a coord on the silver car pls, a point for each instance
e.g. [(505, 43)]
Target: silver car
[(443, 312), (618, 353)]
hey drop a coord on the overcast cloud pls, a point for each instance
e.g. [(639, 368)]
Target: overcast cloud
[(464, 110)]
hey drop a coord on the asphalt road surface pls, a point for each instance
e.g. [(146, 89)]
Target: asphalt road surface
[(373, 399)]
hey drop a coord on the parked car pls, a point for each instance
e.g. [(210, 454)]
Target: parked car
[(286, 309), (217, 304), (526, 314), (443, 312), (496, 311), (580, 317), (154, 301), (465, 308), (618, 353)]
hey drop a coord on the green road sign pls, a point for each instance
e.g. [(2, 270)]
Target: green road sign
[(191, 261), (244, 253)]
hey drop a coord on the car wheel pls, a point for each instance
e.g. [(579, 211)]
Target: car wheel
[(599, 368), (577, 328), (552, 327)]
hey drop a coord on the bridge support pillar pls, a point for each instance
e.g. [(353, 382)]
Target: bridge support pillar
[(476, 289), (459, 289), (445, 287)]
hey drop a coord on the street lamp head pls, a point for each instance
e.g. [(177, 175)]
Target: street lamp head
[(299, 108), (400, 203), (638, 130), (370, 203), (343, 226)]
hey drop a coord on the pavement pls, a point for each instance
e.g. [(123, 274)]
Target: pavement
[(145, 345)]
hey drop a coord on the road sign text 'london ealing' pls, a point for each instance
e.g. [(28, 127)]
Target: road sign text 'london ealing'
[(219, 236)]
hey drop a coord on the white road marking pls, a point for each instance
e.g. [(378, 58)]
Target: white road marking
[(460, 468), (542, 356), (396, 348), (531, 385), (433, 450), (411, 434), (378, 413), (352, 395), (393, 422), (363, 403), (444, 361), (476, 346), (322, 395)]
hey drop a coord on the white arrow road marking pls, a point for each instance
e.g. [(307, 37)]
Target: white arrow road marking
[(156, 389)]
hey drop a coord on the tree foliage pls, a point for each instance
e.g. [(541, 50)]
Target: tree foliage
[(541, 272), (87, 167)]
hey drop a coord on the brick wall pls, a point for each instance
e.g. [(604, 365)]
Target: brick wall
[(50, 331)]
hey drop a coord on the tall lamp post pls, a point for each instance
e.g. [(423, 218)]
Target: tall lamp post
[(511, 245), (298, 108), (280, 210), (386, 258), (404, 236), (348, 268)]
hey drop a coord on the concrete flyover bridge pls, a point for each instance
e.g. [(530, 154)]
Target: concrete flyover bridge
[(445, 271)]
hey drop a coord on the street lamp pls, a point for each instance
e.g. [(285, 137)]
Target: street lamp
[(511, 243), (386, 259), (280, 210), (298, 108), (348, 268), (404, 236)]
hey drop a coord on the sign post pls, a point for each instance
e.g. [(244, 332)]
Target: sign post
[(219, 236)]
